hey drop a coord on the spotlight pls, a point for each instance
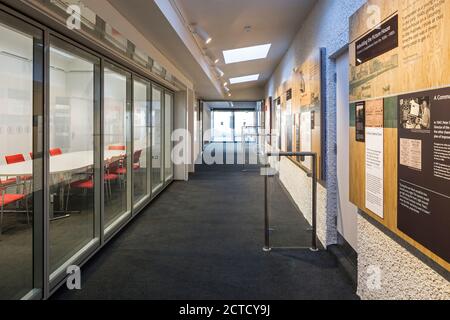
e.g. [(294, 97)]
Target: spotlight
[(220, 72), (202, 34), (211, 58)]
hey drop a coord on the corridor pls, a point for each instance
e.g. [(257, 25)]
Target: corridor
[(203, 239)]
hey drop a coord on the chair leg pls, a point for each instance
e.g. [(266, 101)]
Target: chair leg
[(67, 199), (26, 209), (1, 220)]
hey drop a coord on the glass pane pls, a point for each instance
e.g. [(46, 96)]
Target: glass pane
[(16, 165), (71, 177), (222, 126), (245, 124), (156, 139), (141, 140), (168, 111), (116, 142)]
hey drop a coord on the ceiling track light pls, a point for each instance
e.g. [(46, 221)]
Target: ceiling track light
[(201, 33), (213, 60), (219, 72)]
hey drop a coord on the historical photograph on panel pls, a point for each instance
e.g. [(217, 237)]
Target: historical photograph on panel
[(360, 121), (415, 113)]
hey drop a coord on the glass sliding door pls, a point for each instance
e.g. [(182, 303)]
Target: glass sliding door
[(73, 104), (223, 126), (157, 139), (117, 146), (21, 163), (141, 145), (168, 128), (245, 120)]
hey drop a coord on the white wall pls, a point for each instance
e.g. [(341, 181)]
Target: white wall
[(206, 123), (347, 215), (181, 122)]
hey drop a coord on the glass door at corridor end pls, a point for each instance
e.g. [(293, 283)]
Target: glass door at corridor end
[(223, 126)]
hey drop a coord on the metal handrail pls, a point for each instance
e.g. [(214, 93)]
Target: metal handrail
[(313, 155)]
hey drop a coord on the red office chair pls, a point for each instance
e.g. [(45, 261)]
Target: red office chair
[(118, 167), (55, 152), (10, 198), (88, 184), (16, 158), (137, 159), (117, 148)]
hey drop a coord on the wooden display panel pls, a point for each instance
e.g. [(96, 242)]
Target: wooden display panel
[(306, 85), (421, 61)]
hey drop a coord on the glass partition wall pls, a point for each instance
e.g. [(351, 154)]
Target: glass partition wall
[(141, 141), (168, 129), (117, 145), (71, 150), (157, 139), (21, 159), (84, 145)]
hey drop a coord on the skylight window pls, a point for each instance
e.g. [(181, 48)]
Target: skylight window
[(253, 77), (246, 54)]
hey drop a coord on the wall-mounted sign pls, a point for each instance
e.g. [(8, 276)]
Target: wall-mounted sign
[(424, 169), (306, 136), (360, 121), (289, 95), (375, 156), (378, 42)]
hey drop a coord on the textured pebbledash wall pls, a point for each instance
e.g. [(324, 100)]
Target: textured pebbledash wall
[(326, 26), (403, 275), (388, 271)]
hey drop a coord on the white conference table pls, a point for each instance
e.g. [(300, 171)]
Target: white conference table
[(61, 164), (61, 168)]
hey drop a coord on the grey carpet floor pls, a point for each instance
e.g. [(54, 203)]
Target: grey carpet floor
[(203, 239)]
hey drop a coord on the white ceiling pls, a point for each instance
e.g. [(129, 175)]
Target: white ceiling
[(272, 21)]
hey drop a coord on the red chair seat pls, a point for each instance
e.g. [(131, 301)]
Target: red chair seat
[(110, 176), (55, 152), (10, 198), (86, 184), (117, 148), (120, 171), (8, 182)]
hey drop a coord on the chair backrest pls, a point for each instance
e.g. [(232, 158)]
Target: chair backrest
[(137, 156), (55, 152), (114, 164), (16, 158), (117, 148)]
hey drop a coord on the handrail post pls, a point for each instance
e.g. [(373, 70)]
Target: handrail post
[(266, 210), (314, 204), (314, 241)]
